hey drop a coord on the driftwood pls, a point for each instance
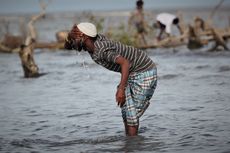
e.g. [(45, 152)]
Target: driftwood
[(202, 32), (9, 41), (26, 55), (37, 45), (12, 42), (50, 45), (195, 36), (193, 42), (5, 49), (166, 43), (61, 36), (26, 52)]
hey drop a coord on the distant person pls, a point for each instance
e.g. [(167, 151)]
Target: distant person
[(137, 19), (164, 21), (138, 71)]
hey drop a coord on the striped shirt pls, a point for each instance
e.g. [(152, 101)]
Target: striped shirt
[(106, 51)]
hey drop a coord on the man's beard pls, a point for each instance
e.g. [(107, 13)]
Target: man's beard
[(78, 45)]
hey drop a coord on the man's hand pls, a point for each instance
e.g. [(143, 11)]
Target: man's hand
[(120, 97), (68, 43)]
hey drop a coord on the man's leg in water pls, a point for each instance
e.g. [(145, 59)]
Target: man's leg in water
[(131, 130)]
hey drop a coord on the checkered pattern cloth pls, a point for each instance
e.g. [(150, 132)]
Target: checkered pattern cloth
[(139, 91)]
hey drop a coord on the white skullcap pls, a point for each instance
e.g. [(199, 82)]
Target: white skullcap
[(88, 29)]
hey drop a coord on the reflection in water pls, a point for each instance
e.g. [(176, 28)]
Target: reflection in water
[(140, 143)]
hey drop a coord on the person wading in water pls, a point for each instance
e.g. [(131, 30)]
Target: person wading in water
[(138, 72)]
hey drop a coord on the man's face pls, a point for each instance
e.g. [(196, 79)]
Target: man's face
[(76, 37), (76, 33)]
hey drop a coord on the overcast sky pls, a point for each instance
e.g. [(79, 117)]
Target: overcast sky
[(26, 6)]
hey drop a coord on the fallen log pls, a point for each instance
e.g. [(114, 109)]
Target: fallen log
[(6, 49), (194, 39), (61, 35), (166, 43), (49, 45), (37, 45), (12, 41)]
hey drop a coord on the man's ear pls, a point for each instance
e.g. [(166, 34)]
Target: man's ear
[(84, 36)]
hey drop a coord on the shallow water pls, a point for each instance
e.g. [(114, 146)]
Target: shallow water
[(73, 109)]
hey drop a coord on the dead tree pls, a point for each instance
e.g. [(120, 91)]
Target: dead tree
[(218, 36), (202, 32), (220, 40), (27, 59), (11, 41), (8, 41), (26, 52), (194, 39)]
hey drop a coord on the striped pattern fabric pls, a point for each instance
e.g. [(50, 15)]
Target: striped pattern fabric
[(139, 91), (106, 52)]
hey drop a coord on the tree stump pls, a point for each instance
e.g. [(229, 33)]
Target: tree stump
[(27, 60)]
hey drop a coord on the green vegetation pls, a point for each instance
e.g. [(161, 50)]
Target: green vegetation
[(120, 34)]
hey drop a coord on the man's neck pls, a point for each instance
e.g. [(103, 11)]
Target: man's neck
[(90, 45)]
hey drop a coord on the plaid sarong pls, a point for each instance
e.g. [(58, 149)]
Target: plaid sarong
[(139, 91)]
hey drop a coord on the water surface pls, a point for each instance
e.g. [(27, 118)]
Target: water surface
[(73, 108)]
